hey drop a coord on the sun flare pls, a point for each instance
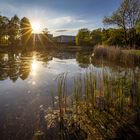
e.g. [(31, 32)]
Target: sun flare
[(36, 26)]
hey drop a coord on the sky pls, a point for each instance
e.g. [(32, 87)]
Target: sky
[(61, 17)]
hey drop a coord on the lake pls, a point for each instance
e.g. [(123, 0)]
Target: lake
[(29, 80)]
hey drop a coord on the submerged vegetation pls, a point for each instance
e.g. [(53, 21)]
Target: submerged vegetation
[(101, 106)]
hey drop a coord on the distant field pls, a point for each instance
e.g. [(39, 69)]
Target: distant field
[(137, 52)]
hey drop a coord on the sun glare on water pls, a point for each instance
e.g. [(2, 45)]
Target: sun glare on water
[(34, 67), (36, 26)]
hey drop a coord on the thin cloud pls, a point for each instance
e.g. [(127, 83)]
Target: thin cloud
[(61, 21), (57, 23), (67, 31), (59, 31)]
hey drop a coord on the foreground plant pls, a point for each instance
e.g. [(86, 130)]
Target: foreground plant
[(102, 106)]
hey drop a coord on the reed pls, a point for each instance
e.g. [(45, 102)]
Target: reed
[(101, 104), (116, 55)]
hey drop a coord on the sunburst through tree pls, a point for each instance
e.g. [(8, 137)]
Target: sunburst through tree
[(26, 30)]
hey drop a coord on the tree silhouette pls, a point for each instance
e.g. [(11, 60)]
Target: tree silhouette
[(14, 30), (26, 30)]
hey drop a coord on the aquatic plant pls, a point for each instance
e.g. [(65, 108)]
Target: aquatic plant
[(100, 105)]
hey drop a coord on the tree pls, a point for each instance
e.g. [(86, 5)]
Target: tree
[(138, 27), (45, 31), (83, 37), (14, 30), (96, 37), (47, 37), (138, 34), (26, 30), (113, 37), (126, 17), (4, 21)]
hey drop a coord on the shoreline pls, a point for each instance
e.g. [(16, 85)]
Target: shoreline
[(57, 47)]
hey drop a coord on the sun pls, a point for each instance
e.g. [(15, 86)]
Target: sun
[(36, 26)]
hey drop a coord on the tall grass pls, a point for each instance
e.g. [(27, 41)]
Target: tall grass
[(101, 104), (114, 54)]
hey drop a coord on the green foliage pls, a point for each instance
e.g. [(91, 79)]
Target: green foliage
[(138, 27), (3, 25), (113, 37), (96, 37), (138, 33), (89, 38), (4, 21), (127, 20), (126, 17), (14, 30), (110, 37), (83, 37)]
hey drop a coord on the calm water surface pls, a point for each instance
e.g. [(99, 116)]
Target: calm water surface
[(28, 80)]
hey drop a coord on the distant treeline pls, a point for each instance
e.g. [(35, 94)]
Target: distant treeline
[(124, 31), (14, 31), (18, 32)]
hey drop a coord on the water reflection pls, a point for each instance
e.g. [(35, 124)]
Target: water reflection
[(83, 59), (12, 66), (20, 65), (28, 81), (34, 67)]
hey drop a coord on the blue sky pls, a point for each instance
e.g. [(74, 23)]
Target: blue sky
[(61, 16)]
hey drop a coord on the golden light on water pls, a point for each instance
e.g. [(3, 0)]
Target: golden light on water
[(34, 67)]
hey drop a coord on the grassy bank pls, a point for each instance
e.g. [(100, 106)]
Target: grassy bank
[(52, 46), (118, 56), (136, 52)]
